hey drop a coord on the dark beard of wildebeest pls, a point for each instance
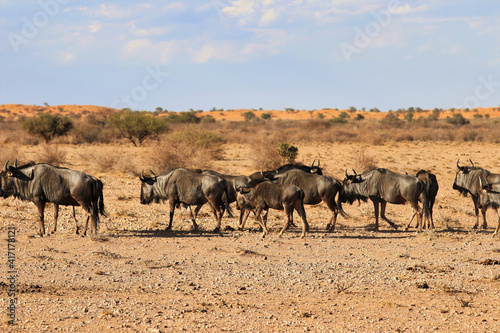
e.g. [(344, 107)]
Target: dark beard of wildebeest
[(317, 188), (432, 188), (489, 197), (467, 182), (383, 186), (181, 186), (43, 183), (261, 176), (233, 182), (267, 195)]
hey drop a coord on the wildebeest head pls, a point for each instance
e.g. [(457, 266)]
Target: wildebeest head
[(241, 196), (316, 168), (463, 178), (8, 177), (147, 188), (352, 188)]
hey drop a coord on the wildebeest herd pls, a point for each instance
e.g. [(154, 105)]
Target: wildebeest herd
[(288, 188)]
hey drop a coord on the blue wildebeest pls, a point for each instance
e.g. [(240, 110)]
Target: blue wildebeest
[(383, 186), (276, 196), (43, 183), (467, 182), (431, 188), (181, 186), (489, 197), (317, 188)]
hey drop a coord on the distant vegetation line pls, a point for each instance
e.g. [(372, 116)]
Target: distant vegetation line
[(93, 124)]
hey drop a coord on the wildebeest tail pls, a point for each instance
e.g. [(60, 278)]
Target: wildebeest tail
[(339, 202), (425, 203), (98, 198), (303, 210)]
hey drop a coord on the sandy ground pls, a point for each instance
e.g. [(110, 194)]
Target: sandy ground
[(135, 277)]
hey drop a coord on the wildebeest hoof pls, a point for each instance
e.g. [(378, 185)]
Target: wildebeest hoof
[(216, 230)]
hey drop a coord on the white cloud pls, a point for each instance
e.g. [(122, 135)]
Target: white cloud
[(239, 8), (406, 9), (268, 17), (114, 11), (94, 27)]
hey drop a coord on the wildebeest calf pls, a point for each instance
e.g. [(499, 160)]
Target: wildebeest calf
[(489, 197), (276, 196)]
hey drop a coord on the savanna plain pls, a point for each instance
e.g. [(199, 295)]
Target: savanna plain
[(136, 277)]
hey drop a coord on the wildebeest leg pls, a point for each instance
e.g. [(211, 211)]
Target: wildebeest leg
[(333, 220), (265, 231), (171, 204), (243, 218), (84, 233), (376, 208), (218, 212), (476, 210), (289, 219), (56, 215), (418, 212), (77, 229), (193, 218), (498, 225), (383, 204), (41, 224), (299, 207), (485, 225), (431, 207), (411, 219)]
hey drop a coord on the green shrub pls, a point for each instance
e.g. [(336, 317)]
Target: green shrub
[(183, 118), (338, 120), (265, 116), (249, 115), (287, 152), (48, 126), (457, 120), (138, 126)]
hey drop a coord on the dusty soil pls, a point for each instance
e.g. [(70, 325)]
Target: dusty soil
[(136, 277)]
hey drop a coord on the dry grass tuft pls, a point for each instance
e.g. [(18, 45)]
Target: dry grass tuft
[(191, 147), (52, 154), (363, 161), (265, 153)]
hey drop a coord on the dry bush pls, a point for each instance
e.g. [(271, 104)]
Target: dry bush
[(265, 153), (52, 154), (193, 147), (9, 153), (363, 162)]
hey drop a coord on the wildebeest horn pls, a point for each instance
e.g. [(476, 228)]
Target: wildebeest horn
[(312, 165), (458, 166), (153, 174), (318, 162), (6, 165), (354, 172), (142, 178), (471, 162), (15, 163), (346, 175)]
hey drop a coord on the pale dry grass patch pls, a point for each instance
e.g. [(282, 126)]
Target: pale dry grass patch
[(52, 154), (363, 161)]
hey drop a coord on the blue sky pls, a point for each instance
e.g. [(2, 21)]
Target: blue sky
[(270, 54)]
